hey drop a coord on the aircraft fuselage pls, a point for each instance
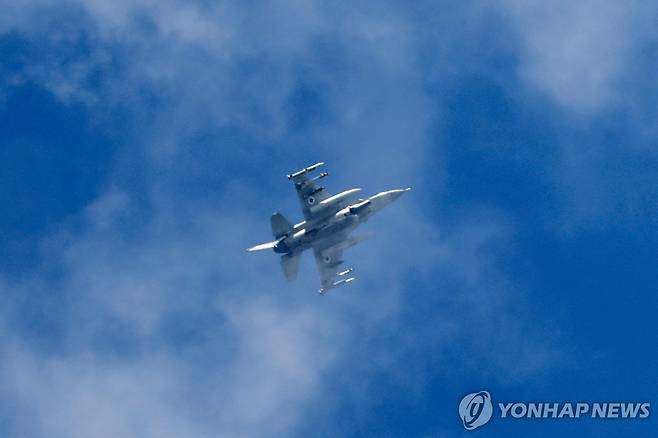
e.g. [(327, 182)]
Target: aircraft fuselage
[(336, 225)]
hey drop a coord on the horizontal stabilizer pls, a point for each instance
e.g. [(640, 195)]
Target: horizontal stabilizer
[(262, 246), (290, 266)]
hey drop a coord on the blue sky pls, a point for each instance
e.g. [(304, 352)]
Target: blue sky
[(145, 144)]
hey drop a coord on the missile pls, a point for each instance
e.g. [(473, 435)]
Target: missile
[(320, 176), (343, 282), (301, 185), (346, 271), (305, 170), (336, 284)]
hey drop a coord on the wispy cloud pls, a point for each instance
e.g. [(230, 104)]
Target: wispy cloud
[(170, 329), (580, 54)]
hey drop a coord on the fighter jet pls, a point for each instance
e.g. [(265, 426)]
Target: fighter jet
[(326, 228)]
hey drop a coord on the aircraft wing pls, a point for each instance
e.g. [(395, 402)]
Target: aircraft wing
[(308, 191), (328, 260)]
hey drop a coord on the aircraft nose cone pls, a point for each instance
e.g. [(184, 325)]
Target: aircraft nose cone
[(395, 194), (380, 200)]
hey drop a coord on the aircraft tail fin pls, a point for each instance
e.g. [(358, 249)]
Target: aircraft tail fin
[(280, 225), (290, 265)]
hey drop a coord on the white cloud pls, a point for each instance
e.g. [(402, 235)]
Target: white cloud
[(580, 53), (84, 396), (259, 350)]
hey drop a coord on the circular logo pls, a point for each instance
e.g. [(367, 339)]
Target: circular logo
[(475, 409)]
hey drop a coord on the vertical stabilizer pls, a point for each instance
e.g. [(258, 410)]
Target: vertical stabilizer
[(280, 225)]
